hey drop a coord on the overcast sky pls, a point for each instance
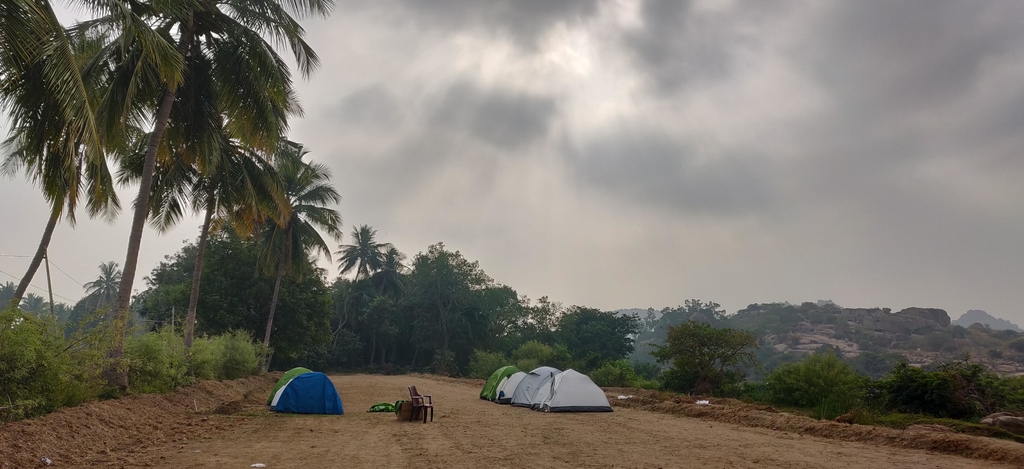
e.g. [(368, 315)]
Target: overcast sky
[(624, 154)]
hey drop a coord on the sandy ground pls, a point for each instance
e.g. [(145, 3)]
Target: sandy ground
[(470, 433)]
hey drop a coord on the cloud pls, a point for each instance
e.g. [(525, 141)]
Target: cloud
[(501, 117)]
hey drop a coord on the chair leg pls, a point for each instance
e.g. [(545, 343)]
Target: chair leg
[(431, 413)]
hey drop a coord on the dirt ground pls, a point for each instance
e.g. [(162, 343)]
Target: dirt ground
[(470, 433)]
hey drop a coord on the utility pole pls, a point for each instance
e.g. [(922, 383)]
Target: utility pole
[(49, 286)]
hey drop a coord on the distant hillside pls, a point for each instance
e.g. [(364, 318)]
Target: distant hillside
[(639, 312), (980, 317)]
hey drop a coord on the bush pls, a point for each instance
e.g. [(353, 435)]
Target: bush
[(954, 391), (618, 373), (647, 371), (533, 354), (39, 371), (482, 364), (239, 355), (444, 363), (822, 382), (205, 358), (156, 362)]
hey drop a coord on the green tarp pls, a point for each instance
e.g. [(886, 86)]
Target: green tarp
[(288, 375), (490, 391)]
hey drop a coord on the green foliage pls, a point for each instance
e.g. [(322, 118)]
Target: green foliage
[(239, 355), (1017, 345), (484, 363), (647, 371), (38, 371), (822, 381), (156, 362), (444, 363), (705, 360), (594, 337), (533, 354), (959, 390)]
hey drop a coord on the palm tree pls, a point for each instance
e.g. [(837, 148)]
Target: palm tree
[(230, 69), (365, 255), (53, 133), (34, 304), (233, 184), (389, 278), (103, 290), (6, 293), (287, 243)]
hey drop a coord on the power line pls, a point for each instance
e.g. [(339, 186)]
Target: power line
[(15, 256), (66, 274), (37, 288)]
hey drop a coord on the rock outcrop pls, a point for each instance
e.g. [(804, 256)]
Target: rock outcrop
[(1005, 420), (906, 321)]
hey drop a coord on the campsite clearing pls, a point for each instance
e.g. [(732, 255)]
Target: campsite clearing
[(469, 432)]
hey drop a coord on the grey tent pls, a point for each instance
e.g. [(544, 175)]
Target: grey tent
[(523, 395), (571, 391)]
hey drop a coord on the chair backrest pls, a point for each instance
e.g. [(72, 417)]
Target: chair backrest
[(412, 392)]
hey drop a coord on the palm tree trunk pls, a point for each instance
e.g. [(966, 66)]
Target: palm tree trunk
[(193, 299), (273, 306), (44, 243), (115, 376)]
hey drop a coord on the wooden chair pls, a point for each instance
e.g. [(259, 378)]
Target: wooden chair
[(421, 403)]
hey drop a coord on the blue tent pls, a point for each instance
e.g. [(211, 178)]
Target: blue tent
[(308, 393)]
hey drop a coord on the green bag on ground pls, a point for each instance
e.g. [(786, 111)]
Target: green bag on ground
[(382, 407)]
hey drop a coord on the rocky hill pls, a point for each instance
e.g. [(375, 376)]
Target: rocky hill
[(921, 336), (977, 316)]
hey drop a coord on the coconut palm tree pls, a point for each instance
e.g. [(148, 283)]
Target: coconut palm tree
[(230, 69), (365, 255), (236, 185), (53, 134), (287, 243), (103, 290)]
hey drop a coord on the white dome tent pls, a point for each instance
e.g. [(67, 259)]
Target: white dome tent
[(508, 386), (571, 391), (523, 396)]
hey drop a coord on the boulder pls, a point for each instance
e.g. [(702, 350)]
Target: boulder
[(932, 314), (1006, 421)]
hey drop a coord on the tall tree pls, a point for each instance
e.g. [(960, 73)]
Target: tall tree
[(103, 290), (365, 255), (388, 278), (231, 184), (294, 235), (227, 61), (53, 134)]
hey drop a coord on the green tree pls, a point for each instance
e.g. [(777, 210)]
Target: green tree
[(444, 291), (704, 359), (292, 236), (388, 278), (365, 255), (53, 134), (594, 337), (103, 290), (223, 53), (822, 381)]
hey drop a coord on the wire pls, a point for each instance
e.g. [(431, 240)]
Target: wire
[(66, 274), (40, 289), (15, 256)]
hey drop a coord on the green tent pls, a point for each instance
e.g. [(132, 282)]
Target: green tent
[(288, 375), (490, 391)]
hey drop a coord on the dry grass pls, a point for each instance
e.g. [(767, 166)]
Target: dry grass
[(935, 438)]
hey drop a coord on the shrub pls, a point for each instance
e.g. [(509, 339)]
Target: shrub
[(482, 364), (156, 362), (956, 390), (444, 363), (205, 358), (618, 373), (39, 371), (1017, 345), (533, 354), (822, 382), (647, 371), (239, 355)]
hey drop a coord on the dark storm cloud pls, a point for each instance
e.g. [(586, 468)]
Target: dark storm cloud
[(503, 118), (371, 105), (653, 170), (522, 20)]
